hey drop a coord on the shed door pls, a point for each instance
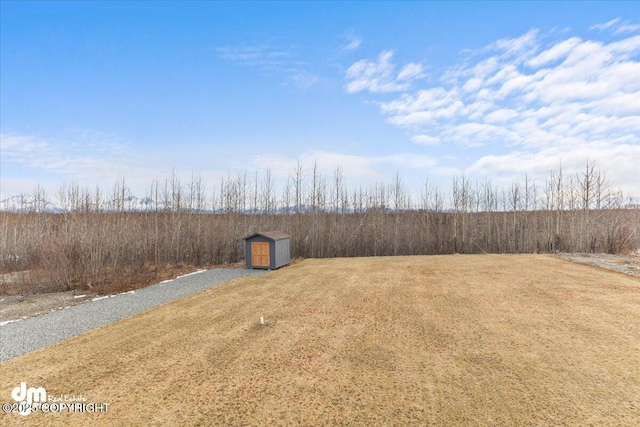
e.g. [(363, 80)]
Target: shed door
[(260, 254)]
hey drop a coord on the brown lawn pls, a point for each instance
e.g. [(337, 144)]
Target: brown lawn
[(424, 340)]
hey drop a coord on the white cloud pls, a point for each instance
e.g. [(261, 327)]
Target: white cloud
[(477, 134), (523, 45), (356, 169), (427, 99), (472, 84), (593, 79), (538, 99), (619, 104), (353, 43), (263, 55), (373, 76), (627, 28), (619, 162), (80, 153), (88, 157), (425, 140), (606, 25), (269, 58), (555, 53), (411, 71), (500, 116), (301, 78), (380, 76), (409, 161), (617, 26)]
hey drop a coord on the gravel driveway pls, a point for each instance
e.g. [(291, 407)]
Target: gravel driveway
[(37, 332)]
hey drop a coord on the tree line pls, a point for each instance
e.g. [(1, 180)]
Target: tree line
[(99, 239)]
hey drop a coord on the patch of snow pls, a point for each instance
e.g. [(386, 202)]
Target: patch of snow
[(6, 322), (191, 274), (28, 203)]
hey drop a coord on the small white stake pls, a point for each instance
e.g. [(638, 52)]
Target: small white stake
[(261, 320)]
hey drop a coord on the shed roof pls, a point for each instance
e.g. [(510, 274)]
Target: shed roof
[(273, 235)]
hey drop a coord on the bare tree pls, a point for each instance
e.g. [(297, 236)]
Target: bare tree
[(267, 194), (99, 241), (298, 185)]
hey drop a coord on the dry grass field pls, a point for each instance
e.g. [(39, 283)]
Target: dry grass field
[(469, 340)]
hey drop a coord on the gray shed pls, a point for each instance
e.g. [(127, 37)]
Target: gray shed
[(268, 250)]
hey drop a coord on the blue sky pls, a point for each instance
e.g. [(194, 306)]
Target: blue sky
[(91, 92)]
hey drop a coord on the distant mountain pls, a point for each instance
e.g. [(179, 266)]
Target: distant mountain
[(28, 203), (31, 203)]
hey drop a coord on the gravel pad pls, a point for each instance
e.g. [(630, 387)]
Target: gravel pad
[(31, 334)]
